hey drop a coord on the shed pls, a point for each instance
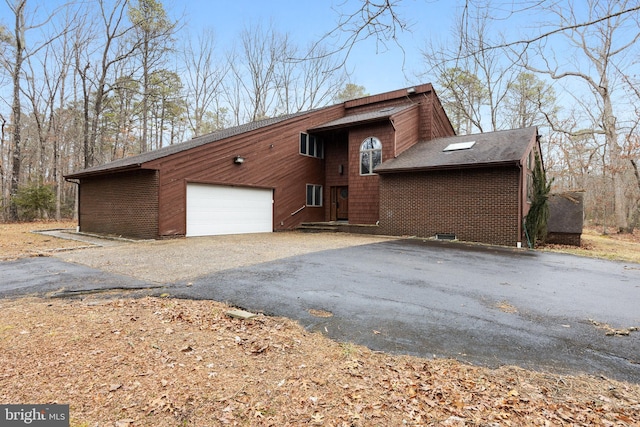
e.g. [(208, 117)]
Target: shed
[(566, 218)]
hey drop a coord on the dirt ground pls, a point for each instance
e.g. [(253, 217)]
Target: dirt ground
[(169, 362)]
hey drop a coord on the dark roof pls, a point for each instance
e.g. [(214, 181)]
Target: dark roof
[(490, 148), (367, 117), (135, 162), (566, 212)]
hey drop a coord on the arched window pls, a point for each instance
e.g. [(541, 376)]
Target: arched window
[(370, 155)]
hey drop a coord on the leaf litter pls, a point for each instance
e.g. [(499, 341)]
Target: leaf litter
[(167, 362)]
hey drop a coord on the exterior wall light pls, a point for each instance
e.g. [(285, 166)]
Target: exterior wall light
[(238, 160)]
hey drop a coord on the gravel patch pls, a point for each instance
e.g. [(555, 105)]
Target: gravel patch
[(174, 260)]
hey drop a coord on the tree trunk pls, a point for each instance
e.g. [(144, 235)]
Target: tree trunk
[(618, 165), (145, 95), (16, 108)]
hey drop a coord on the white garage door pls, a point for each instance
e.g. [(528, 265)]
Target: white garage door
[(218, 209)]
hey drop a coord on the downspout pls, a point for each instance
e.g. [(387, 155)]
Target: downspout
[(395, 140), (520, 204)]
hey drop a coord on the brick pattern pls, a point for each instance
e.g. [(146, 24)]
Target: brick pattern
[(477, 205), (123, 204)]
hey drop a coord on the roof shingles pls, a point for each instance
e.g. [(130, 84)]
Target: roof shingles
[(136, 161), (490, 148)]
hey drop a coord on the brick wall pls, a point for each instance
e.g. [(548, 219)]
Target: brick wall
[(477, 205), (123, 204)]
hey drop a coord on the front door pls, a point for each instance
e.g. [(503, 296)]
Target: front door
[(339, 203)]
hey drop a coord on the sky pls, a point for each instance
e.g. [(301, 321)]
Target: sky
[(377, 68)]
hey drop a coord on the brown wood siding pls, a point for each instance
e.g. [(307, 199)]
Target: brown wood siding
[(407, 134), (433, 121), (336, 156), (272, 160), (440, 124), (364, 196), (395, 95), (125, 204), (477, 205)]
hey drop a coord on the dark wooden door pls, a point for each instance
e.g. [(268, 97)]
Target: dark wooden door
[(342, 203)]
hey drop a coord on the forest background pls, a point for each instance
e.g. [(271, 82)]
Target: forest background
[(86, 82)]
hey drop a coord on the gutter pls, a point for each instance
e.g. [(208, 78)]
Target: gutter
[(80, 175), (449, 167)]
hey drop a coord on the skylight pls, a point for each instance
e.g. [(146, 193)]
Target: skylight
[(459, 146)]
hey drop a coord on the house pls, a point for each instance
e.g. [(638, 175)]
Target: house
[(362, 162)]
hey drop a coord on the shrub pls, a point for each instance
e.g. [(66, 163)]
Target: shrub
[(538, 216), (34, 201)]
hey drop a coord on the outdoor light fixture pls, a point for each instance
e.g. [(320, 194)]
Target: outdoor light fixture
[(411, 90), (238, 160)]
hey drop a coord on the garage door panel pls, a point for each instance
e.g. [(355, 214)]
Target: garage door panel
[(215, 209)]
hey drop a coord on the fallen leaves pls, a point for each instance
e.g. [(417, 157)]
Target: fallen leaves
[(609, 331), (176, 362), (17, 239)]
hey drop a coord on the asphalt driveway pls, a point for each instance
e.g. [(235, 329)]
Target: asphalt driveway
[(483, 305)]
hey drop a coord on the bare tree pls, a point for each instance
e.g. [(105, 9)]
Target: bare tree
[(384, 20), (111, 47), (476, 79), (255, 69), (203, 80), (309, 83), (600, 49), (379, 19), (18, 9), (321, 78), (15, 65)]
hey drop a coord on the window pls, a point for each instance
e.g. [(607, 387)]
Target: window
[(370, 155), (457, 146), (314, 195), (311, 145)]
